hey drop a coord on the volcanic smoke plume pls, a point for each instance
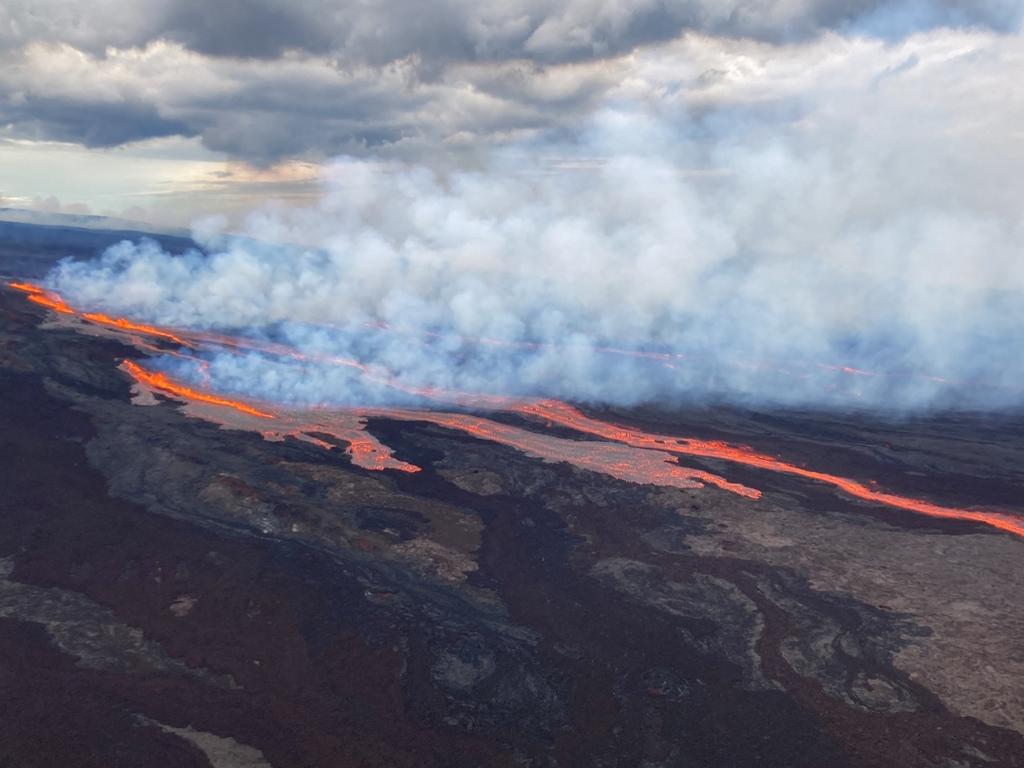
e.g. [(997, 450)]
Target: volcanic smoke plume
[(864, 250)]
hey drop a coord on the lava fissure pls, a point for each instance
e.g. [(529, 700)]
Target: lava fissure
[(565, 415), (54, 302), (163, 383), (627, 454)]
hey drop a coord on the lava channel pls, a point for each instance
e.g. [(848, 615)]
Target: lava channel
[(563, 414), (653, 460)]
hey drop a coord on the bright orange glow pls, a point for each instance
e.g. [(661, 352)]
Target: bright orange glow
[(648, 458), (25, 287), (54, 302), (368, 373), (651, 467), (165, 384), (43, 298), (553, 411), (51, 302), (364, 449), (127, 325), (367, 452)]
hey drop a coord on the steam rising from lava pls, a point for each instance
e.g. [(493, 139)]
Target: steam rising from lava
[(850, 246), (624, 453)]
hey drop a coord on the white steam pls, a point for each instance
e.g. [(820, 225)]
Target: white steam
[(865, 212)]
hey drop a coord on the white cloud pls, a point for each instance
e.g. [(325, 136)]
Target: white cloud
[(822, 203)]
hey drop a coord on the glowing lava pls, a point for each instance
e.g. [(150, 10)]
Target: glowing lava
[(627, 454), (25, 287), (349, 427), (164, 383), (619, 461), (369, 453), (53, 302), (127, 325), (552, 411), (623, 462)]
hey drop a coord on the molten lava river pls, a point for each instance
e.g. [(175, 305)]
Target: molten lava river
[(622, 452)]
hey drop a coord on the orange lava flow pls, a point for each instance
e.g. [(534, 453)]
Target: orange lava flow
[(624, 462), (54, 302), (127, 325), (655, 462), (25, 287), (565, 415), (367, 372), (369, 453), (51, 302), (165, 384), (366, 451)]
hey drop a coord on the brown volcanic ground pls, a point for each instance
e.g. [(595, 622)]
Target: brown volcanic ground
[(172, 593)]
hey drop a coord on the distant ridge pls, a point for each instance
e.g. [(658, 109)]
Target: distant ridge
[(29, 249), (85, 221)]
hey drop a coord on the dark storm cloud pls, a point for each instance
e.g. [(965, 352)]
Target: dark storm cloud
[(288, 135), (92, 124), (265, 119), (265, 110), (248, 28), (266, 79), (440, 31)]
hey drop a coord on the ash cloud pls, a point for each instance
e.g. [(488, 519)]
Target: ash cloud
[(863, 214)]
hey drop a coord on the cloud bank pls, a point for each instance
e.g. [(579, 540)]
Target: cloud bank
[(463, 30), (263, 80), (839, 203)]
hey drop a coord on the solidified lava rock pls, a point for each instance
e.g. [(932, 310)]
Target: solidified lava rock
[(171, 592)]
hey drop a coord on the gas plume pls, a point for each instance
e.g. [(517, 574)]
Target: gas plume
[(847, 242), (622, 452)]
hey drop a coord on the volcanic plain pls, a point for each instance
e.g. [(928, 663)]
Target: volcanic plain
[(178, 593)]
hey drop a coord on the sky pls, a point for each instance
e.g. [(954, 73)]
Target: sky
[(797, 202), (167, 110)]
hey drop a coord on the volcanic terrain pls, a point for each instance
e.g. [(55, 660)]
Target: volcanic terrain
[(189, 579)]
